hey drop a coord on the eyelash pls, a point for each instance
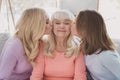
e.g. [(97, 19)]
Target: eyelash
[(57, 23), (63, 23)]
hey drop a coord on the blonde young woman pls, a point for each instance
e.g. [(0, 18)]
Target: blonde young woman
[(59, 59), (21, 50)]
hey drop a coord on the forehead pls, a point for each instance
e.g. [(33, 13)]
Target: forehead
[(62, 16), (64, 20)]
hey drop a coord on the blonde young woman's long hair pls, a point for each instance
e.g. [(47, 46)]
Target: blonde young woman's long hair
[(50, 43), (30, 28)]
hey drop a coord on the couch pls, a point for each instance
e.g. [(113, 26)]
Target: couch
[(5, 36)]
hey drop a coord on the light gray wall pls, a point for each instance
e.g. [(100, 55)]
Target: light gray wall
[(77, 5)]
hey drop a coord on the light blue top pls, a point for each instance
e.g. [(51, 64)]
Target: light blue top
[(104, 66)]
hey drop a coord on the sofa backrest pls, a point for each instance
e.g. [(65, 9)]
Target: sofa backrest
[(3, 38), (117, 43)]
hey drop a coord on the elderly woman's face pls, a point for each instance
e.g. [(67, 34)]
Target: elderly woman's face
[(61, 27)]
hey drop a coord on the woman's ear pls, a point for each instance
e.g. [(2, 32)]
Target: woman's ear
[(73, 29), (52, 23), (48, 28)]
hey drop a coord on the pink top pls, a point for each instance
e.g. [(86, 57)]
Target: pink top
[(59, 67)]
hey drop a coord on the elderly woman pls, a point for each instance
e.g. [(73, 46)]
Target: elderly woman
[(59, 57)]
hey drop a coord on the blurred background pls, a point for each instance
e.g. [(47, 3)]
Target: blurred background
[(10, 11)]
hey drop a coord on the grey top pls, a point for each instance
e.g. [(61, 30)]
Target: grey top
[(104, 66)]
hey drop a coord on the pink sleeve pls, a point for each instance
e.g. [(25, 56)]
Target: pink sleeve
[(38, 69), (80, 69)]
